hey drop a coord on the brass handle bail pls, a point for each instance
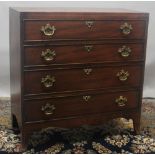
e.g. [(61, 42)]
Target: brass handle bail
[(123, 75), (48, 30), (48, 109), (48, 55), (121, 101), (48, 81), (126, 28), (124, 51)]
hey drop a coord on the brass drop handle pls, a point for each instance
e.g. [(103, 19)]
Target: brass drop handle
[(121, 101), (87, 70), (89, 24), (123, 75), (48, 109), (48, 81), (124, 51), (48, 30), (48, 55), (126, 28), (88, 48), (86, 98)]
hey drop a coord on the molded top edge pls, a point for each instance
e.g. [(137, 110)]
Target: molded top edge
[(74, 10)]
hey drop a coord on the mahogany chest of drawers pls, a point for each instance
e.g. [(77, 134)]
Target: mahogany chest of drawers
[(75, 67)]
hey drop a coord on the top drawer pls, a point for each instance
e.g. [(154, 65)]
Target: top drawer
[(83, 30)]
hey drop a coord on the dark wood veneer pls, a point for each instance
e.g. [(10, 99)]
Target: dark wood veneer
[(77, 79), (79, 30), (76, 105), (71, 35), (79, 54)]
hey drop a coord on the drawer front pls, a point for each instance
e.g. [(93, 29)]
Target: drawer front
[(62, 107), (47, 55), (81, 79), (51, 30)]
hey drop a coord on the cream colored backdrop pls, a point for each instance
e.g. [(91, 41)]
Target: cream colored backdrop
[(149, 82)]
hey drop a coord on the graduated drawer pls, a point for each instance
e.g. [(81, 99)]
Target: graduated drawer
[(59, 80), (62, 30), (62, 54), (63, 107)]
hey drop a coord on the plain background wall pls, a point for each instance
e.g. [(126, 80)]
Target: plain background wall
[(149, 82)]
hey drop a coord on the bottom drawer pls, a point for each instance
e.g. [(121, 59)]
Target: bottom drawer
[(63, 107)]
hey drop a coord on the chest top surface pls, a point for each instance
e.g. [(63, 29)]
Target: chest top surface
[(79, 13)]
